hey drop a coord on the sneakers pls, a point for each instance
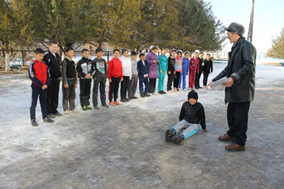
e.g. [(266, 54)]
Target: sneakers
[(104, 105), (84, 108), (134, 97), (111, 103), (147, 95), (50, 115), (48, 120), (124, 100), (73, 111), (169, 134), (116, 103), (142, 95), (177, 138), (34, 123), (160, 92), (57, 114), (88, 107), (66, 112)]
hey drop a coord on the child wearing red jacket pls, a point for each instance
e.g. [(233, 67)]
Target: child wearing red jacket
[(115, 76), (39, 74)]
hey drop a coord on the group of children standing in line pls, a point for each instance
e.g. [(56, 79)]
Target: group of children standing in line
[(46, 75)]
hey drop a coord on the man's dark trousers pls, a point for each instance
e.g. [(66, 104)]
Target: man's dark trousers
[(237, 115), (52, 96), (145, 81), (197, 78), (124, 87), (102, 82), (38, 92)]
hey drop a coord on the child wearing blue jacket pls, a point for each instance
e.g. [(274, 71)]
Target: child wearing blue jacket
[(185, 68)]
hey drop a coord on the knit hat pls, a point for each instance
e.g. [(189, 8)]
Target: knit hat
[(123, 50), (173, 50), (192, 94)]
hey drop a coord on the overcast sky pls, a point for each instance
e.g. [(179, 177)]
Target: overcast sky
[(268, 18)]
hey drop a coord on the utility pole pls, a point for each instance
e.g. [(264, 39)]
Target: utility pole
[(251, 23)]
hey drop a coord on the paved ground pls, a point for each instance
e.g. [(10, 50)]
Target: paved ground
[(123, 147)]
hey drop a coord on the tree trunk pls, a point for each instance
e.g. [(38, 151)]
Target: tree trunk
[(24, 56), (7, 58)]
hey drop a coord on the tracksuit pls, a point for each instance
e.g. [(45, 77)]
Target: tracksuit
[(83, 68), (115, 75), (185, 67), (163, 66), (178, 70), (198, 75), (39, 74), (53, 62), (193, 69), (171, 72), (99, 73), (68, 77)]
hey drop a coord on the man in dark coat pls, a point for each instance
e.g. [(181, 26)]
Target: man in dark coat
[(240, 89)]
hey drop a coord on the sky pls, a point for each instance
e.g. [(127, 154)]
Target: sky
[(268, 19)]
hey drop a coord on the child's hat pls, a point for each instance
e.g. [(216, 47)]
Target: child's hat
[(123, 50), (179, 51), (192, 94), (173, 50), (151, 46)]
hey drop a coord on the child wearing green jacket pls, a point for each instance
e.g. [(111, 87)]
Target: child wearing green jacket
[(163, 68)]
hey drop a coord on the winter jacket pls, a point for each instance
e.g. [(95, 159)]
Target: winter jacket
[(142, 69), (153, 67), (126, 66), (194, 65), (241, 67), (53, 63), (208, 66), (171, 64), (193, 114), (185, 65), (68, 71), (163, 62), (99, 68), (38, 73), (115, 69), (84, 67)]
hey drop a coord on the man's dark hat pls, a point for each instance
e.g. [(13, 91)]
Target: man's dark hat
[(123, 50), (236, 27)]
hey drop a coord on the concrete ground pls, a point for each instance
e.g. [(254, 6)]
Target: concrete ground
[(124, 146)]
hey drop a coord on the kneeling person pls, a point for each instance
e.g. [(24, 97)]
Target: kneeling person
[(191, 115)]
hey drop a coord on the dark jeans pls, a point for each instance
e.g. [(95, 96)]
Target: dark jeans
[(197, 78), (132, 86), (113, 88), (69, 95), (237, 115), (205, 78), (102, 82), (52, 96), (176, 80), (146, 83), (85, 90), (170, 81), (124, 87), (152, 86), (38, 92)]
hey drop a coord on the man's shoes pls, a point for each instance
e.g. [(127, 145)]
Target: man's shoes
[(177, 138), (96, 107), (50, 115), (226, 137), (58, 114), (84, 108), (104, 105), (123, 100), (130, 98), (235, 147), (34, 123), (135, 97), (127, 99), (116, 103), (66, 112), (48, 120), (169, 134), (111, 103), (142, 95), (88, 107)]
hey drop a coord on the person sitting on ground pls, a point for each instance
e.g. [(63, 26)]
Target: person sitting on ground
[(191, 115)]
